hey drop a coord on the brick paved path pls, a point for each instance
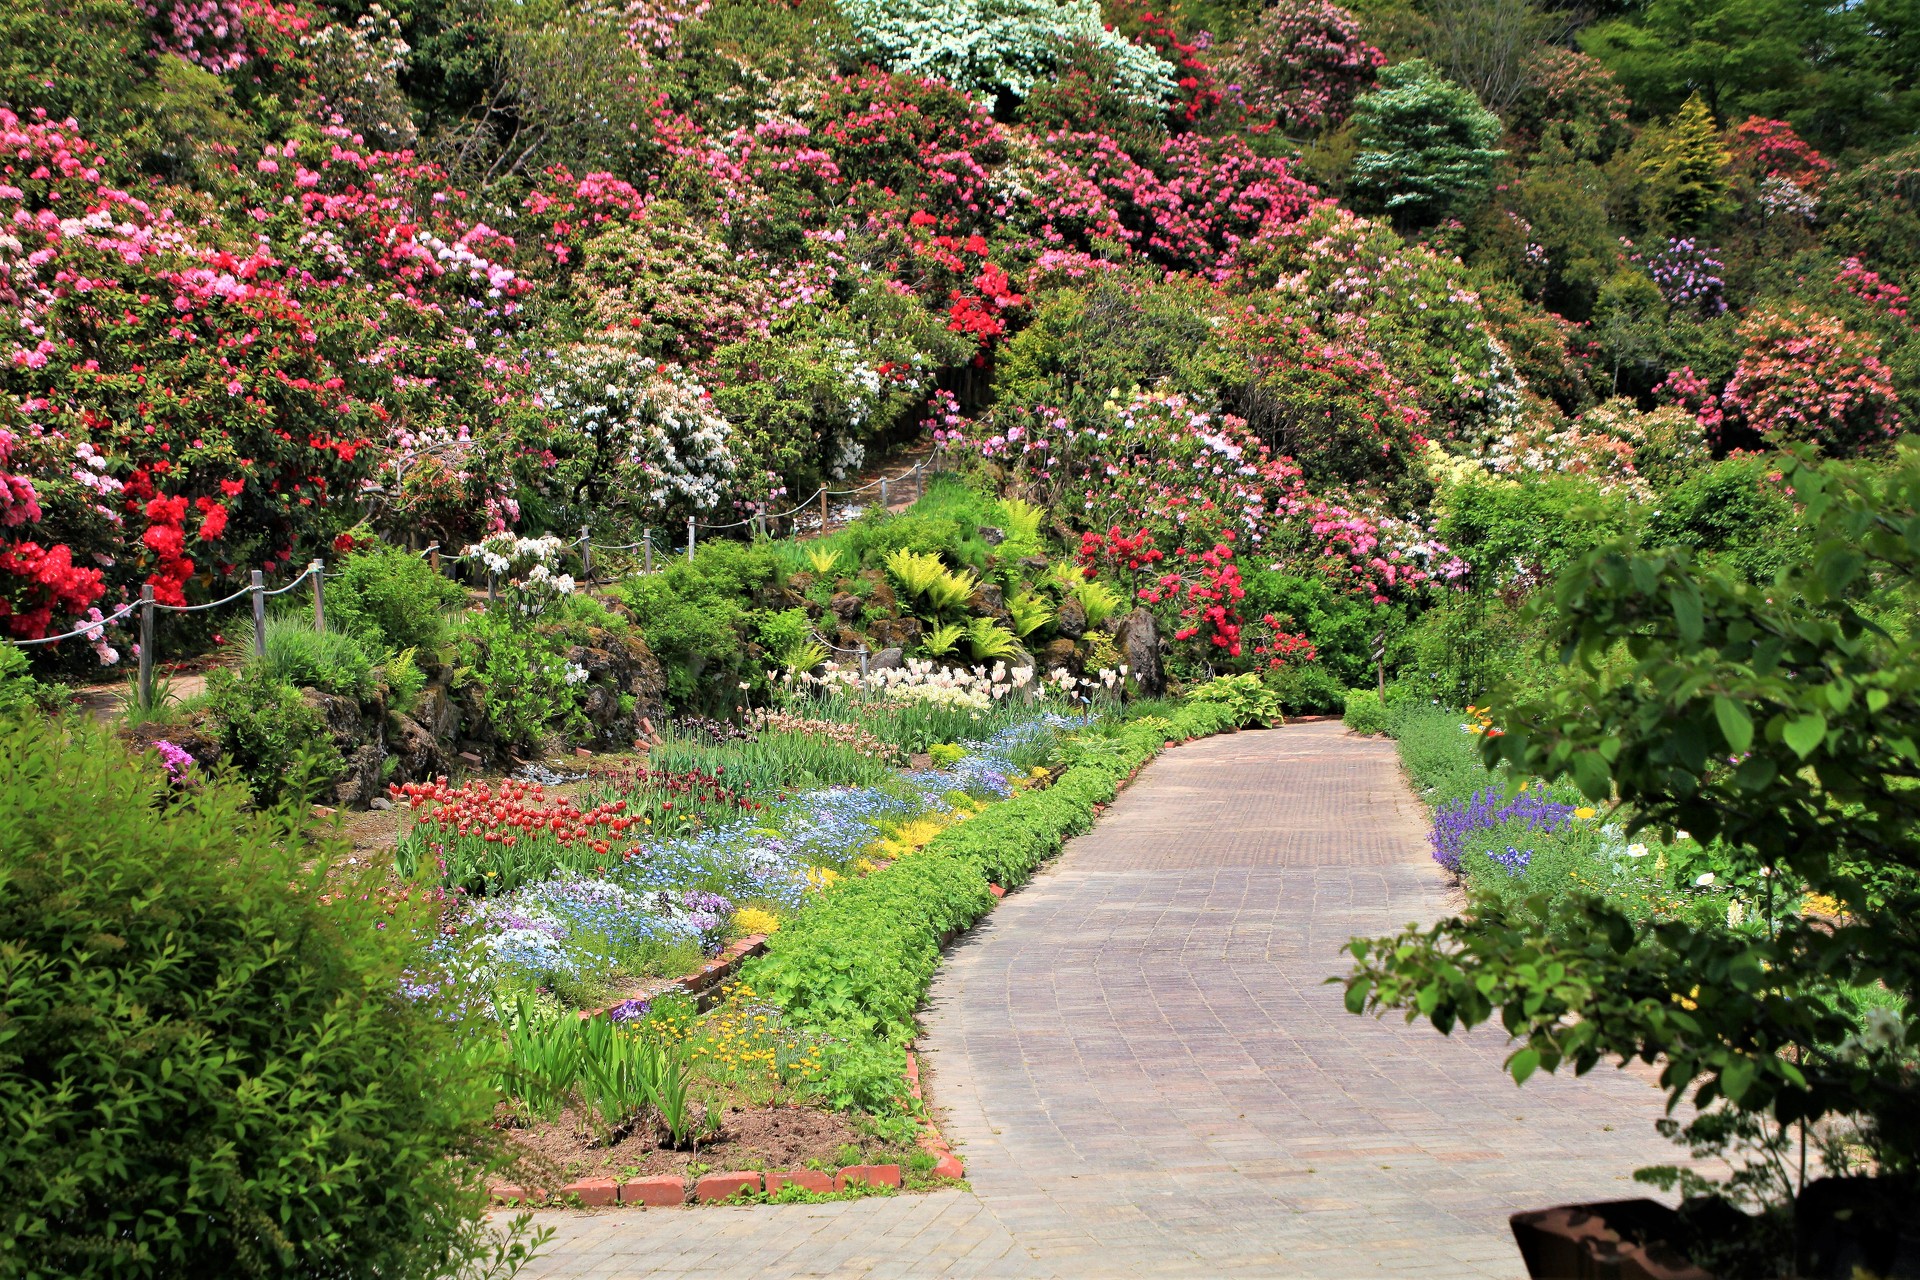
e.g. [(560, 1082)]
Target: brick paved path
[(1146, 1074)]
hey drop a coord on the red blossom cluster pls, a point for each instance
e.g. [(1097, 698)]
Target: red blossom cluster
[(1280, 646), (1200, 92), (514, 813), (1208, 591), (1763, 148), (1115, 550)]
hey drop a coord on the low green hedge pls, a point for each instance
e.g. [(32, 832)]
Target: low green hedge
[(856, 966)]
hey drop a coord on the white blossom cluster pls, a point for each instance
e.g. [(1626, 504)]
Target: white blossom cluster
[(674, 448), (989, 47), (977, 687), (530, 566)]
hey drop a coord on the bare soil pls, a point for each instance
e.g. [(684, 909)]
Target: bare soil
[(777, 1137)]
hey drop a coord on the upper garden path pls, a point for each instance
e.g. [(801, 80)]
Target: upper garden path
[(1142, 1065)]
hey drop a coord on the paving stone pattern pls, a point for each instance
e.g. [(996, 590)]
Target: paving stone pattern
[(1142, 1065)]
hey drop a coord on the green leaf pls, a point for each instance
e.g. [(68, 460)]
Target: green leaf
[(1686, 611), (1357, 997), (1737, 1077), (1805, 733), (1590, 772), (1736, 726), (1523, 1064)]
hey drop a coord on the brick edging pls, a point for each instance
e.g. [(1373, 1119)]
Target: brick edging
[(713, 1188)]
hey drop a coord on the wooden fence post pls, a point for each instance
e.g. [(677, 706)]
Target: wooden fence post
[(646, 543), (259, 614), (586, 554), (146, 647), (319, 569), (691, 535), (823, 510)]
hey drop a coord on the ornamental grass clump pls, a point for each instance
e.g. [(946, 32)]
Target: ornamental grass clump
[(205, 1064)]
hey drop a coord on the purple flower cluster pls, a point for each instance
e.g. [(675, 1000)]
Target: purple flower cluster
[(1482, 811), (705, 913), (1689, 276), (1514, 860)]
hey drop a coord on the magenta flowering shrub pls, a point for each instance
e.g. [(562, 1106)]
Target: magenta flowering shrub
[(209, 33), (1804, 376), (1216, 198), (1356, 284), (1880, 294), (1377, 557), (1301, 66)]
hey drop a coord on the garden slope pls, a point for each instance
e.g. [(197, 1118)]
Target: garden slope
[(1145, 1073)]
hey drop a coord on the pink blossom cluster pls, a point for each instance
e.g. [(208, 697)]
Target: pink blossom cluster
[(1879, 293), (1378, 556), (1301, 67), (1804, 376)]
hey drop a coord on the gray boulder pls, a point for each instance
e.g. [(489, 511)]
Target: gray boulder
[(1138, 641)]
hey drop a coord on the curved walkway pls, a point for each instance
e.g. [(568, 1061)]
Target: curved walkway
[(1142, 1065)]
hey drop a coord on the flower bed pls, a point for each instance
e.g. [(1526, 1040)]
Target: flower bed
[(802, 1058), (1530, 843)]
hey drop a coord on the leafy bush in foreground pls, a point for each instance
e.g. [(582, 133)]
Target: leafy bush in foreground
[(206, 1067)]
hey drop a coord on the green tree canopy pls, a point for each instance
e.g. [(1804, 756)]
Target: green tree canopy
[(1426, 146)]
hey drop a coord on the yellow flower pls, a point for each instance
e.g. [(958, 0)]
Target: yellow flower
[(1584, 812), (756, 920)]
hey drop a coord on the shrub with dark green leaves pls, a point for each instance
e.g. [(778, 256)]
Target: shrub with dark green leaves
[(393, 596), (275, 739), (206, 1064)]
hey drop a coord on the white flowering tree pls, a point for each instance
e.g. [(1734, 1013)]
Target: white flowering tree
[(635, 432), (991, 47)]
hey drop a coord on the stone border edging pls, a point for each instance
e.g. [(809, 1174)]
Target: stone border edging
[(701, 984)]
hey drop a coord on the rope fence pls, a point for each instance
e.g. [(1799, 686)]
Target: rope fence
[(148, 607)]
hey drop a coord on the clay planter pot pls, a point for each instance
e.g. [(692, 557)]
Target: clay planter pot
[(1617, 1240)]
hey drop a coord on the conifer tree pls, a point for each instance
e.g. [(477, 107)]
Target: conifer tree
[(1426, 146), (1688, 170)]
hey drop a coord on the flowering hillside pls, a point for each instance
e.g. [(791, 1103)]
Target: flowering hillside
[(1262, 282)]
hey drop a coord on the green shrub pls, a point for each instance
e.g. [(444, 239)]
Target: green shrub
[(271, 735), (393, 597), (519, 675), (694, 616), (204, 1065), (1364, 712), (1244, 697), (331, 661), (1306, 689), (19, 691)]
